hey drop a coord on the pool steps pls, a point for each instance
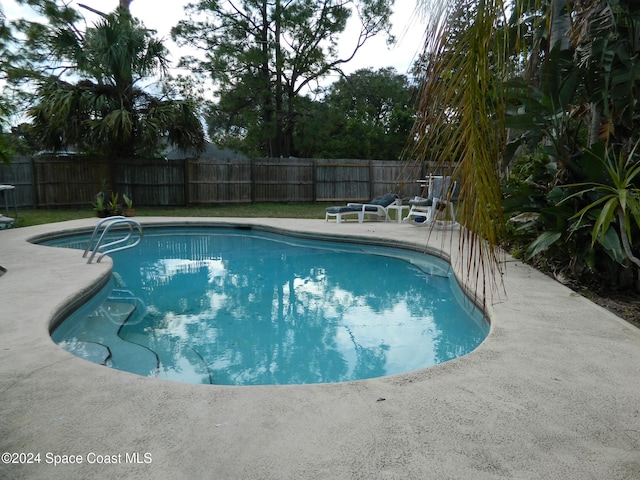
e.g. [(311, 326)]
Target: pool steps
[(121, 310), (105, 323)]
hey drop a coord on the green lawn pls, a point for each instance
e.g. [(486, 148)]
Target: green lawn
[(31, 216)]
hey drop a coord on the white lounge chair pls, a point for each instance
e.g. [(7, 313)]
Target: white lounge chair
[(437, 208), (376, 208)]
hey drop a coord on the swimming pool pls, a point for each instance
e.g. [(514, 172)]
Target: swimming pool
[(248, 307)]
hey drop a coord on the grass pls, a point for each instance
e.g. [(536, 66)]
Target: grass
[(31, 216)]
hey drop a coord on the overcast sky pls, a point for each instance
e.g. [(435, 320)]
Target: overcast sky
[(161, 15)]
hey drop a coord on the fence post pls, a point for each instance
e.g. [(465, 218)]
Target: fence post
[(252, 171), (34, 194), (187, 182), (314, 177), (34, 183), (371, 180)]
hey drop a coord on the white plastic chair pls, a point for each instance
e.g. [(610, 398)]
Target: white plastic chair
[(437, 208)]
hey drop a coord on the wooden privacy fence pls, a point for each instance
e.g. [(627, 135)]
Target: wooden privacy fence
[(19, 174), (150, 181), (57, 181)]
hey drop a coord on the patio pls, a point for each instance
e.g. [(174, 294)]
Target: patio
[(552, 392)]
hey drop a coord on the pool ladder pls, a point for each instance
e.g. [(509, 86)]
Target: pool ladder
[(115, 245)]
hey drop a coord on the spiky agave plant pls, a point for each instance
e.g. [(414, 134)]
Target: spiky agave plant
[(617, 201)]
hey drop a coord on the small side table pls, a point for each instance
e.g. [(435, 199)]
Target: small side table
[(399, 209)]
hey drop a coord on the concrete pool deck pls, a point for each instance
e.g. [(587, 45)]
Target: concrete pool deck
[(552, 393)]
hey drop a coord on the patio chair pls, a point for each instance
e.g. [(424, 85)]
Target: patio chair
[(437, 208), (5, 220), (376, 208)]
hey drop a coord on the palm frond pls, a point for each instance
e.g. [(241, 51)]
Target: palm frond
[(461, 120)]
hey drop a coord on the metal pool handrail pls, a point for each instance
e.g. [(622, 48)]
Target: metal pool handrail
[(105, 249)]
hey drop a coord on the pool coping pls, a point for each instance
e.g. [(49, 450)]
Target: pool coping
[(551, 393)]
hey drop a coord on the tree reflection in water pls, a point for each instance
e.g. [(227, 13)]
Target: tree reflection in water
[(236, 307)]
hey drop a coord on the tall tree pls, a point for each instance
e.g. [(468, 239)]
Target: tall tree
[(370, 115), (90, 92), (5, 107), (262, 55)]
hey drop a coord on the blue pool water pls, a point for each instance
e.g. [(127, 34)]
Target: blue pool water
[(245, 307)]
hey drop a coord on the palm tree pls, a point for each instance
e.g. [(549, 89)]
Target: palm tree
[(461, 118), (108, 110)]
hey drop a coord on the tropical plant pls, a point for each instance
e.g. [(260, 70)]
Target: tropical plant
[(89, 94), (604, 35), (561, 245), (542, 119), (536, 223), (617, 201), (113, 205), (561, 227), (99, 204), (127, 201), (564, 75)]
